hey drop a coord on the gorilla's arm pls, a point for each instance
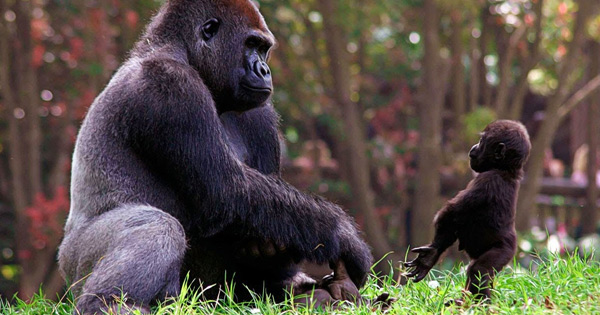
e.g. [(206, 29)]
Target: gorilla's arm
[(172, 124), (446, 222), (429, 255)]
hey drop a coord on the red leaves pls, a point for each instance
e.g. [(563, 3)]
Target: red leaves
[(132, 18), (97, 20), (77, 48), (39, 27), (37, 56), (46, 217), (563, 9)]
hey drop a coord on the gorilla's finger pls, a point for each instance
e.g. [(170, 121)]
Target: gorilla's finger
[(281, 248), (420, 277), (254, 250), (351, 296), (382, 297), (268, 249), (383, 301), (335, 291), (411, 273), (411, 263), (327, 278), (422, 249), (317, 298)]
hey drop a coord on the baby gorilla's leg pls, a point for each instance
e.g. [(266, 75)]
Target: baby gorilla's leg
[(481, 271)]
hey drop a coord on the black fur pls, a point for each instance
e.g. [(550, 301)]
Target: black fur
[(482, 216), (176, 167)]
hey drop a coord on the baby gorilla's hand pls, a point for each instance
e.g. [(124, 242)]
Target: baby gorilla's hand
[(420, 267)]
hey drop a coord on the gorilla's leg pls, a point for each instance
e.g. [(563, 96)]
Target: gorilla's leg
[(134, 250), (481, 271)]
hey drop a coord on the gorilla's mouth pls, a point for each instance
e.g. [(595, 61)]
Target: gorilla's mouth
[(257, 89), (474, 163)]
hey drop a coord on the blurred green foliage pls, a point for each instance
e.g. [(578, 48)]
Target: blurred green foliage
[(474, 123)]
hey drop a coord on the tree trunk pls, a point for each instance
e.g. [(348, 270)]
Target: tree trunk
[(458, 74), (17, 165), (552, 119), (25, 142), (430, 122), (590, 211), (474, 73), (9, 100), (506, 72), (355, 138), (486, 32), (29, 93)]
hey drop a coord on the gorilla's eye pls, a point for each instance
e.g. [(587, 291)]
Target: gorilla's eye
[(210, 29)]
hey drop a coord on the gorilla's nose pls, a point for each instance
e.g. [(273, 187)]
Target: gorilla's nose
[(261, 69), (473, 152)]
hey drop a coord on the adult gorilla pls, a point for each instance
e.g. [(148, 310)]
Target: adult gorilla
[(176, 171)]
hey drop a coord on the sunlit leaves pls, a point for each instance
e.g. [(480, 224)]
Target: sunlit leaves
[(594, 28), (466, 7)]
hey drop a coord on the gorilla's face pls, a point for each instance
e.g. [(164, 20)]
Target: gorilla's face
[(504, 145), (255, 85), (232, 49), (479, 156)]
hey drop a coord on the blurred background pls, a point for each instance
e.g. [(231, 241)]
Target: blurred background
[(380, 103)]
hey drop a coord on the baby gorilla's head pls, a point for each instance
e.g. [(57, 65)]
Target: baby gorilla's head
[(504, 145)]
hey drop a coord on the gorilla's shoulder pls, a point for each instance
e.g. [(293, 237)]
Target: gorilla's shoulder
[(167, 76), (167, 70)]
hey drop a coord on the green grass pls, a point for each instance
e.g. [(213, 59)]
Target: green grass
[(569, 285)]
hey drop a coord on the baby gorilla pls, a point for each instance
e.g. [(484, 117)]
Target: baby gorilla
[(482, 216)]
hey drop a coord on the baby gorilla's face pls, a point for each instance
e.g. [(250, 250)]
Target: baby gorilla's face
[(504, 145), (475, 158), (480, 158)]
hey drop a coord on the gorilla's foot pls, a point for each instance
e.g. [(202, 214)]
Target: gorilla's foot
[(127, 308), (317, 298)]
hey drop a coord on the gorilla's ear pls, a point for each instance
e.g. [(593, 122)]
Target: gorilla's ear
[(500, 151)]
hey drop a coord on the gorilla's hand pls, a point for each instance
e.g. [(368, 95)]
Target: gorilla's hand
[(344, 289), (355, 255), (420, 267), (317, 298), (340, 286)]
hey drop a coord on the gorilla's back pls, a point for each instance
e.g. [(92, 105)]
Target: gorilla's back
[(106, 172)]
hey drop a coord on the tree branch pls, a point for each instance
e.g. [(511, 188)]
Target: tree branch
[(579, 96)]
